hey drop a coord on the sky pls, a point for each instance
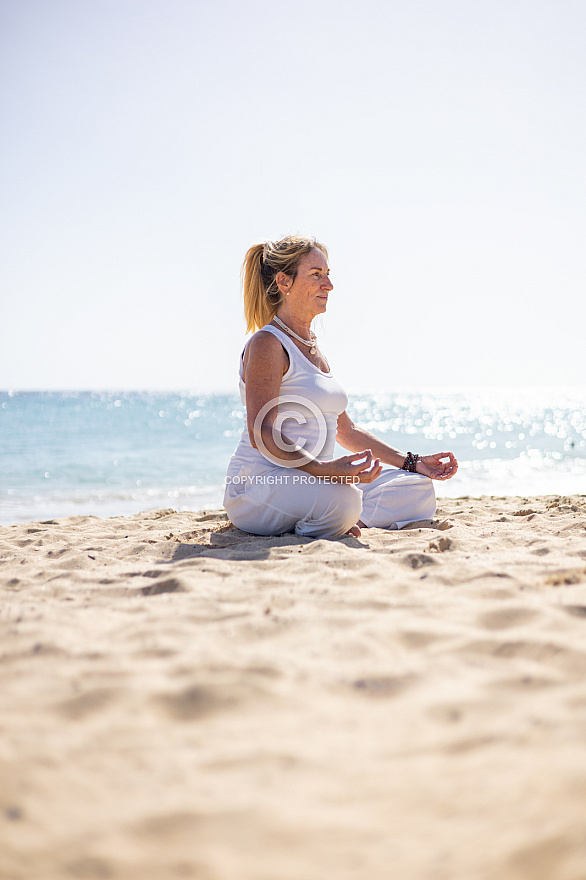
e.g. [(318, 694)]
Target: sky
[(437, 148)]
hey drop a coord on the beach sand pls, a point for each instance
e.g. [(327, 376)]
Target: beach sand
[(181, 700)]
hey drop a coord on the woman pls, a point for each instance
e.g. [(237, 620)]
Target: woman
[(283, 475)]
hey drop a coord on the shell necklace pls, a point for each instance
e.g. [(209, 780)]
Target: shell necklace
[(312, 343)]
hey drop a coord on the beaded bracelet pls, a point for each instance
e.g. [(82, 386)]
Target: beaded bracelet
[(410, 463)]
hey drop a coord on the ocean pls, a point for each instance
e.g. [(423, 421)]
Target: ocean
[(110, 454)]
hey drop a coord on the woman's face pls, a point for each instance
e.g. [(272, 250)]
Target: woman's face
[(308, 293)]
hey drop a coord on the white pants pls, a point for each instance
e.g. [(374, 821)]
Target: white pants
[(272, 500)]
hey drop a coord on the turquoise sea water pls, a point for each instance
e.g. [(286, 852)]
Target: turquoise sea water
[(117, 454)]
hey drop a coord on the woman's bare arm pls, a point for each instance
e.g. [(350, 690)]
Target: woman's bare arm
[(353, 438)]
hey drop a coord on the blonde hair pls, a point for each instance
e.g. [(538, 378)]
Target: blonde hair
[(262, 264)]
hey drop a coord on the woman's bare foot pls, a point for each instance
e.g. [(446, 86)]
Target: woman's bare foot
[(354, 531)]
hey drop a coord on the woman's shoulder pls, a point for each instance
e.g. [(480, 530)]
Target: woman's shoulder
[(265, 347), (264, 340)]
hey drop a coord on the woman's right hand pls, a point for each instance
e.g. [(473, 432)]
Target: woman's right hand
[(358, 467)]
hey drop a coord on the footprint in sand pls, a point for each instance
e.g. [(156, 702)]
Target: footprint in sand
[(383, 686), (83, 705), (447, 713), (417, 560), (194, 702), (575, 610), (505, 618), (419, 640), (441, 545), (169, 585), (168, 825)]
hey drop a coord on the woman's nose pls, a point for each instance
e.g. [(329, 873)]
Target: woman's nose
[(327, 284)]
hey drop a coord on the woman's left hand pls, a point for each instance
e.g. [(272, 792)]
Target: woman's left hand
[(435, 467)]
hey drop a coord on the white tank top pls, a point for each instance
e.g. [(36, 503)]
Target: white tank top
[(310, 402)]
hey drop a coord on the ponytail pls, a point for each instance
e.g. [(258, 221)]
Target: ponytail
[(258, 309), (262, 264)]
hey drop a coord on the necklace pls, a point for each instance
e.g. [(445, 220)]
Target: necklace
[(311, 343)]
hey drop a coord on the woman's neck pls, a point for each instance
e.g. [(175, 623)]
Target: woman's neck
[(297, 323)]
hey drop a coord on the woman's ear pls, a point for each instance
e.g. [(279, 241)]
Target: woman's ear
[(283, 282)]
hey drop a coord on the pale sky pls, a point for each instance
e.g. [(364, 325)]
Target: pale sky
[(437, 147)]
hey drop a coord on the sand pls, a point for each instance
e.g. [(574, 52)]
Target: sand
[(181, 700)]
